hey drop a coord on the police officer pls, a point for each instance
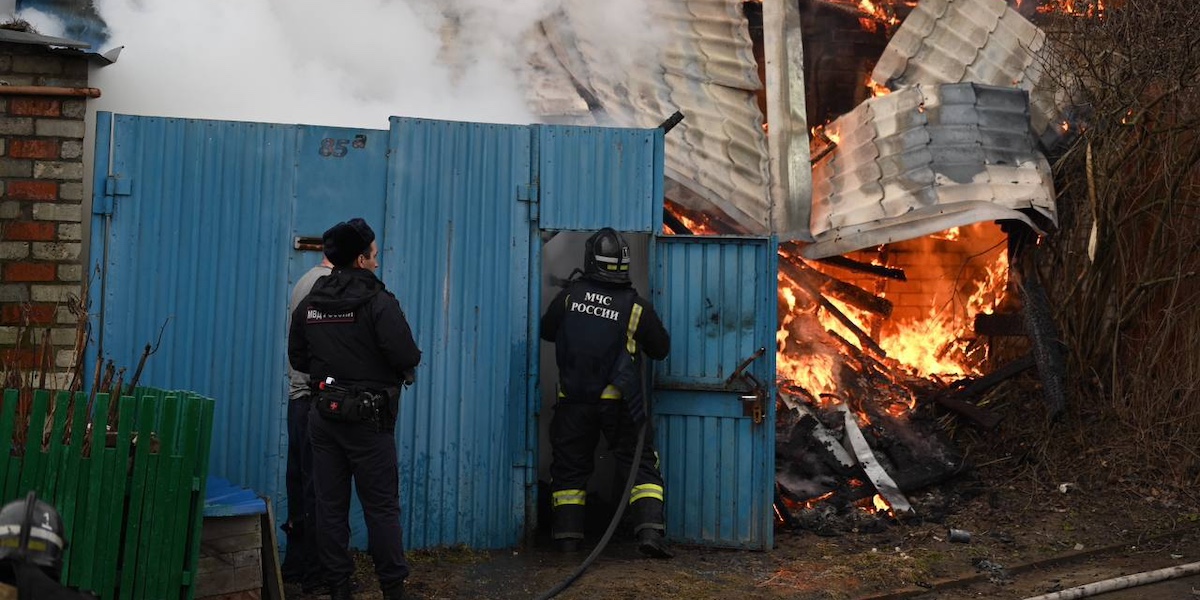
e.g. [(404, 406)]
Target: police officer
[(353, 340), (31, 550), (600, 326)]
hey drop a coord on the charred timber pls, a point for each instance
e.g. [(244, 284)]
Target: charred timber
[(849, 293), (850, 264), (1000, 325), (824, 302), (1038, 317)]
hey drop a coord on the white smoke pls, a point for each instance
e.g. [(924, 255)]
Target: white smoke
[(349, 63)]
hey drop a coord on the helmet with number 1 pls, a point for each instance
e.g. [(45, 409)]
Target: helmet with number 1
[(606, 257), (32, 531)]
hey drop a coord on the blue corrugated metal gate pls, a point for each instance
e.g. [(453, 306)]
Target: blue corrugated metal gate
[(200, 225), (717, 298)]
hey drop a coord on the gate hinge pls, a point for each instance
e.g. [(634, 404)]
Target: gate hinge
[(529, 193), (114, 185)]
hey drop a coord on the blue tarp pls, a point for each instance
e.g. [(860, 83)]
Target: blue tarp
[(224, 499)]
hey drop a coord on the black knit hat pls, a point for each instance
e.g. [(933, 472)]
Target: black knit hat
[(346, 241)]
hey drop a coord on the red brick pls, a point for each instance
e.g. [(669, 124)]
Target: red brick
[(29, 271), (36, 148), (27, 231), (35, 107), (37, 191), (25, 359), (38, 314)]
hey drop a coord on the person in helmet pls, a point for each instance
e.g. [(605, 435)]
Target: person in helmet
[(601, 327), (31, 550)]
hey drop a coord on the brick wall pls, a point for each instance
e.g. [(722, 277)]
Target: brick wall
[(936, 269), (41, 190)]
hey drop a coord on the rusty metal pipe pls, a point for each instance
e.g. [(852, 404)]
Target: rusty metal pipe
[(47, 90)]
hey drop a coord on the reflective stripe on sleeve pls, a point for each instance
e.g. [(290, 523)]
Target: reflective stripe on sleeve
[(635, 316), (565, 497)]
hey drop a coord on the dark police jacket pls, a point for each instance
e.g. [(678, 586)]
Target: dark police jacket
[(351, 328), (590, 323), (33, 583)]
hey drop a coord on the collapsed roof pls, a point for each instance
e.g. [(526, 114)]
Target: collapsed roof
[(934, 155)]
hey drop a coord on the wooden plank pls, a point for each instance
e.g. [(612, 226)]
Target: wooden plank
[(245, 595), (31, 467), (216, 528), (55, 450), (116, 488), (232, 543), (8, 592), (137, 493), (163, 500), (213, 563), (70, 487), (8, 414), (185, 455), (200, 481), (272, 569), (95, 487)]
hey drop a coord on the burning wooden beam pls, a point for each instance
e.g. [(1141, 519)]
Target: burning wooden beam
[(795, 268)]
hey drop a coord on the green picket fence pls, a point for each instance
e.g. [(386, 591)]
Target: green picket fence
[(131, 498)]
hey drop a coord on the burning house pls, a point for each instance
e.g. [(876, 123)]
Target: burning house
[(899, 147)]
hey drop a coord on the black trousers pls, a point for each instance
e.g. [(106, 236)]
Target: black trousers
[(575, 430), (365, 452), (300, 563)]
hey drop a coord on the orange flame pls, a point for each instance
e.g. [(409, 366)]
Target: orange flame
[(932, 345), (1078, 8)]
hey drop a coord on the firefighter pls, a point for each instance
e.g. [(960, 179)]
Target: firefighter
[(31, 550), (600, 327), (353, 340)]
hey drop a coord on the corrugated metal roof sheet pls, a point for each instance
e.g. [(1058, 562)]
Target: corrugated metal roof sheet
[(925, 159), (706, 70), (980, 41)]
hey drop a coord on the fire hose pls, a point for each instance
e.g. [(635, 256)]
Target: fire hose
[(612, 525)]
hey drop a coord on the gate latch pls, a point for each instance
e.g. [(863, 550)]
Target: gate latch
[(753, 394)]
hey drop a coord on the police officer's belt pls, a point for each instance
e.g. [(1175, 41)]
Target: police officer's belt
[(350, 405)]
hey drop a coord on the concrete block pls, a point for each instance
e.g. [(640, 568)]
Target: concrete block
[(70, 232), (74, 109), (10, 210), (52, 293), (40, 64), (70, 190), (70, 272), (15, 168), (13, 250), (44, 169), (48, 211), (14, 292), (72, 149), (65, 128), (58, 251)]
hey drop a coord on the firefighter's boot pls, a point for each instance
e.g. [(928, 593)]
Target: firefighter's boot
[(652, 544), (394, 591), (343, 590), (568, 525)]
